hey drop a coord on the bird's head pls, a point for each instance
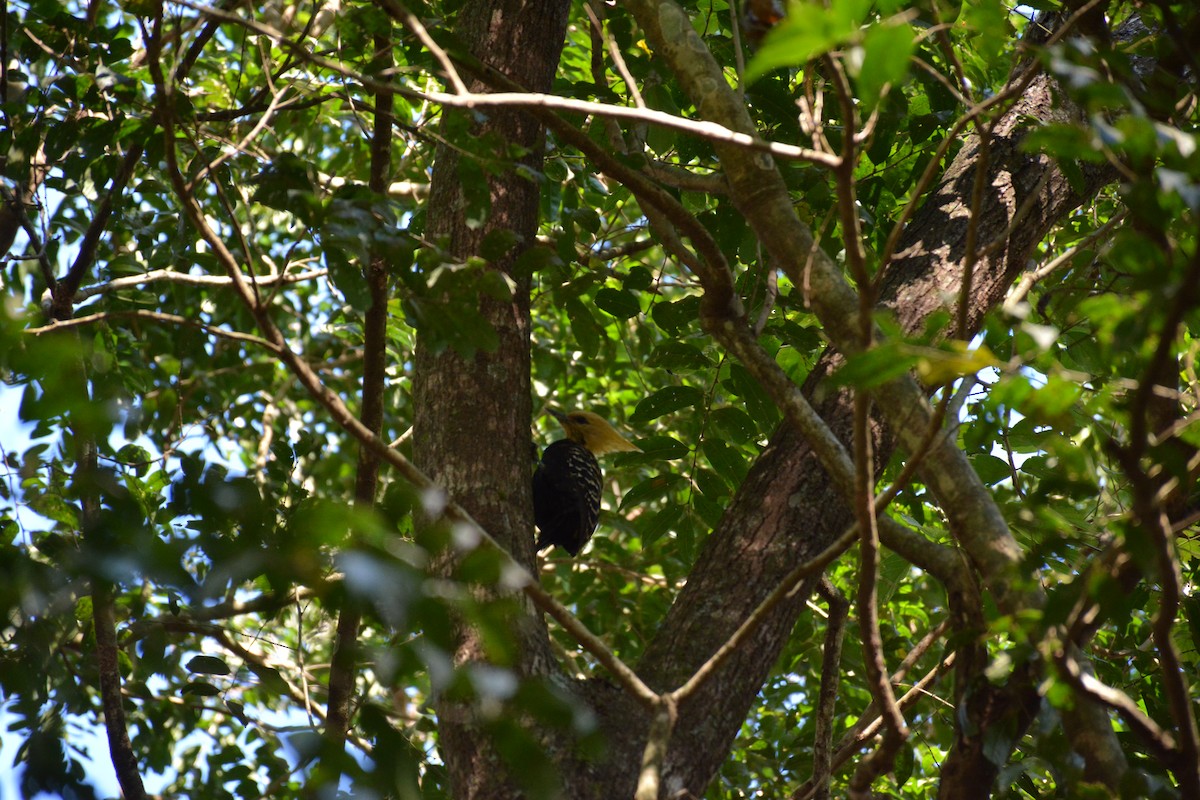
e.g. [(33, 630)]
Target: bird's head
[(593, 432)]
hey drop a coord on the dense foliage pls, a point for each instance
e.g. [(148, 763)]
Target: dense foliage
[(169, 465)]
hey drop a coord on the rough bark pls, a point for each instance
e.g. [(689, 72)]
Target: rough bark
[(471, 432)]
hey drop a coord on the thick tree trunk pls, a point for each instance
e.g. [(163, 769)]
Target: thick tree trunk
[(471, 432)]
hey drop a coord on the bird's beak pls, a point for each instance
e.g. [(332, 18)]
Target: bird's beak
[(558, 415)]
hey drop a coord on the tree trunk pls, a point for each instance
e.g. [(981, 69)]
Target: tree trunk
[(471, 432)]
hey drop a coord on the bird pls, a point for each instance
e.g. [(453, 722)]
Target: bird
[(567, 483)]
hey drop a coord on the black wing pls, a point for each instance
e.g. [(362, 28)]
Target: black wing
[(566, 496)]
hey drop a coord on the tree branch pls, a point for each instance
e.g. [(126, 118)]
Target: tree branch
[(154, 316), (343, 668), (69, 285), (171, 276), (655, 753), (868, 727), (1161, 743), (831, 665)]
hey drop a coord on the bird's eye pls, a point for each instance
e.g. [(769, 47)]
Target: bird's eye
[(579, 419)]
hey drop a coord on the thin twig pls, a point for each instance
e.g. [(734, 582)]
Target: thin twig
[(91, 238), (343, 666), (614, 52), (847, 195), (259, 126), (785, 589), (36, 245), (971, 254), (864, 459), (1160, 743), (867, 727), (155, 316), (1019, 292), (1013, 90), (172, 276), (896, 731), (399, 12), (1152, 518)]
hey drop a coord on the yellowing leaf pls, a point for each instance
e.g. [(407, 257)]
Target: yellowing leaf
[(943, 366)]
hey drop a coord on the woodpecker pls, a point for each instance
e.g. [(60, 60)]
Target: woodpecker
[(568, 482)]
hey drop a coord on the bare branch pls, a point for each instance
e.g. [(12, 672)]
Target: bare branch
[(614, 52), (786, 587), (171, 276), (155, 316), (655, 753), (1160, 742), (343, 669), (831, 664), (1152, 517), (91, 238), (868, 726)]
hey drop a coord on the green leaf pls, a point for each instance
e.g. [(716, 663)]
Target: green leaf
[(904, 765), (200, 689), (734, 424), (665, 401), (988, 21), (676, 317), (621, 304), (660, 523), (886, 52), (677, 356), (639, 279), (271, 680), (208, 665), (726, 460), (809, 30), (874, 367), (757, 402), (651, 489), (289, 184), (586, 330), (990, 468), (658, 448)]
